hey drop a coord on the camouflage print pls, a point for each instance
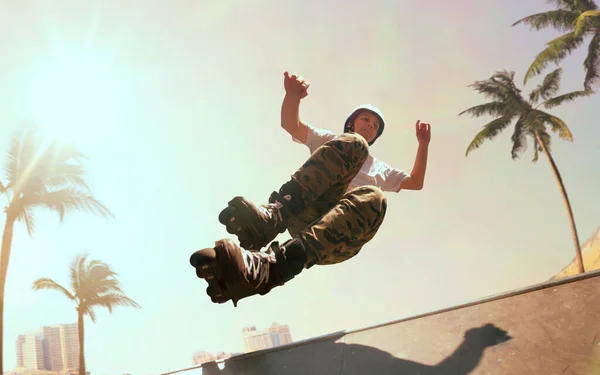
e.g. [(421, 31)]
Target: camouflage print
[(327, 173), (342, 232), (336, 224)]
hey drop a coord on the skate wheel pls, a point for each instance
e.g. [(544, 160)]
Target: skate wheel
[(205, 272), (204, 263), (204, 257), (215, 292), (237, 219), (227, 216)]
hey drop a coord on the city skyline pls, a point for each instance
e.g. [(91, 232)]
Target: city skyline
[(272, 336), (51, 348)]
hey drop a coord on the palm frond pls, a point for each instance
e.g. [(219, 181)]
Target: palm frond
[(53, 168), (500, 88), (89, 311), (535, 152), (556, 50), (97, 263), (489, 90), (74, 280), (507, 78), (492, 109), (76, 271), (519, 137), (513, 100), (48, 174), (96, 278), (592, 63), (5, 190), (584, 5), (11, 166), (82, 276), (61, 153), (109, 301), (98, 271), (489, 131), (561, 4), (94, 284), (108, 285), (47, 283), (69, 199), (66, 175), (585, 22), (573, 5), (560, 19), (549, 86), (557, 125), (26, 216), (24, 156), (558, 100), (57, 155)]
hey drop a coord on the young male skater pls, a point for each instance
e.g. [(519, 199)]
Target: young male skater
[(331, 206)]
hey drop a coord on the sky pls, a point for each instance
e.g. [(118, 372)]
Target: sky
[(176, 105)]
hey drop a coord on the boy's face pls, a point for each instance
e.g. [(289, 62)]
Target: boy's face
[(366, 124)]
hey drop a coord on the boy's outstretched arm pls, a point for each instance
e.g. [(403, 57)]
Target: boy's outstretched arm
[(295, 90), (417, 175)]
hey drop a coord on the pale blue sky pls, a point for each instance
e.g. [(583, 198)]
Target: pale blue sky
[(178, 111)]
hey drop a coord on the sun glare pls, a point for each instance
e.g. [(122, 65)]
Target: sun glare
[(74, 97)]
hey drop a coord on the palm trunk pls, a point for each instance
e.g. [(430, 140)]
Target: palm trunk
[(7, 237), (81, 342), (578, 257)]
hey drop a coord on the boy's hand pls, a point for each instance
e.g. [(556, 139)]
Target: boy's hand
[(295, 85), (423, 132)]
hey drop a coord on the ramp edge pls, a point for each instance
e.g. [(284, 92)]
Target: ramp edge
[(552, 283), (494, 297)]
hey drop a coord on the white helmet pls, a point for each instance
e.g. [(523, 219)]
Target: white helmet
[(366, 107)]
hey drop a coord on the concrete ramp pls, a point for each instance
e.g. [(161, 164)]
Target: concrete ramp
[(547, 329)]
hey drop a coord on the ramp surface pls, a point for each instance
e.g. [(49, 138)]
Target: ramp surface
[(548, 329)]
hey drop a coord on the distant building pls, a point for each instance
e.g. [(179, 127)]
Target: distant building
[(272, 337), (30, 351), (23, 371), (204, 357), (49, 349)]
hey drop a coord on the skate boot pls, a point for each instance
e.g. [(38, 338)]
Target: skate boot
[(233, 273), (256, 226)]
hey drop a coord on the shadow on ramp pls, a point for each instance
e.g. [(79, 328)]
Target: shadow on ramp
[(333, 357)]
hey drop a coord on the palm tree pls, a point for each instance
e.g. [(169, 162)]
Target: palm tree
[(578, 19), (39, 175), (93, 284), (508, 104)]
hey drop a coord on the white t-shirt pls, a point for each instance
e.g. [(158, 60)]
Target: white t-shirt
[(373, 172)]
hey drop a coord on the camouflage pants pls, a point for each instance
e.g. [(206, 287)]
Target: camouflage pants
[(336, 223)]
